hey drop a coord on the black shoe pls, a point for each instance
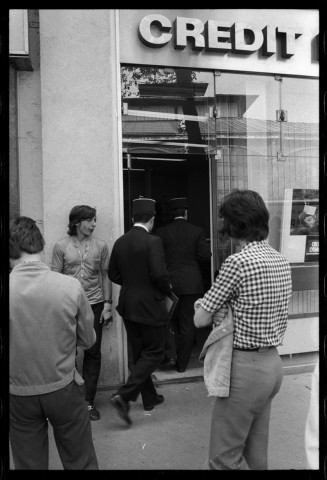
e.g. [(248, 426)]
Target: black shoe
[(122, 408), (93, 412), (179, 369), (159, 399), (167, 364)]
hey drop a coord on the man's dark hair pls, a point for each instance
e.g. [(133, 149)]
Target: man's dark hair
[(24, 236), (177, 212), (245, 216), (143, 217), (78, 214)]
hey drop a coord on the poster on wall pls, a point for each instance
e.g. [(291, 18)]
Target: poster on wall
[(300, 225)]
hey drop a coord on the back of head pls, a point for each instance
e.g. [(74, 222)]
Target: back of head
[(177, 212), (78, 214), (142, 217), (177, 207), (245, 216), (143, 209), (24, 236)]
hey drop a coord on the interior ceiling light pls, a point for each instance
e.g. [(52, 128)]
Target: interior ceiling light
[(160, 159)]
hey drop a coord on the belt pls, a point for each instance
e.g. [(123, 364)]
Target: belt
[(259, 349)]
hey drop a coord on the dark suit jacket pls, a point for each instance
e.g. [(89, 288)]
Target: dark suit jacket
[(137, 263), (186, 250)]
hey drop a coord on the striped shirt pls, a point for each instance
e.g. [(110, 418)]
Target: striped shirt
[(257, 283)]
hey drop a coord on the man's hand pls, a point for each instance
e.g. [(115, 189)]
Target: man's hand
[(106, 315), (218, 316)]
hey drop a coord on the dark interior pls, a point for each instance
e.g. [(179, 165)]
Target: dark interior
[(164, 176)]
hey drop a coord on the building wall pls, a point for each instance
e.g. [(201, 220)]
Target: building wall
[(80, 136), (14, 207), (28, 124)]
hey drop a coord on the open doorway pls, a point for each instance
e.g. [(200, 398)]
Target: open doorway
[(162, 177), (169, 140)]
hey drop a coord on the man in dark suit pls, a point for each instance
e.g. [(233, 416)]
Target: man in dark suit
[(186, 252), (137, 263)]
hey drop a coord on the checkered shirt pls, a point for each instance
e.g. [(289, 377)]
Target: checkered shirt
[(257, 284)]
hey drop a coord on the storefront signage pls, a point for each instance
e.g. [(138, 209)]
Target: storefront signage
[(215, 36)]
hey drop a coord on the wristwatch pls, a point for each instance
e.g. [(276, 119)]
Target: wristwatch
[(108, 301)]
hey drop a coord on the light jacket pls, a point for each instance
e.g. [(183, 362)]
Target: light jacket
[(49, 315), (217, 357)]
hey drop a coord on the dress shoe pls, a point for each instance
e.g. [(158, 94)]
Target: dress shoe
[(167, 364), (179, 369), (159, 399), (93, 412), (122, 407)]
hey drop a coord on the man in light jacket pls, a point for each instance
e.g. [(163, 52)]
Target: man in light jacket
[(49, 315)]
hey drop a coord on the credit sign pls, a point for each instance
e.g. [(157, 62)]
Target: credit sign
[(156, 31)]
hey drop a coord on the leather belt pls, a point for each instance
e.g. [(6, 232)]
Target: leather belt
[(259, 349)]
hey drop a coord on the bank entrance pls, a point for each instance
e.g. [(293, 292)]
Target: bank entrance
[(200, 134), (163, 177), (169, 147)]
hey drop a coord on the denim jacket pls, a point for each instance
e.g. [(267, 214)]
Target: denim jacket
[(217, 357)]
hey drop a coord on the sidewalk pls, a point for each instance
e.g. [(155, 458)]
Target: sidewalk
[(175, 435)]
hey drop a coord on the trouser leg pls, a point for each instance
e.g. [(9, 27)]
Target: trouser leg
[(92, 358), (147, 343), (240, 422), (186, 329), (28, 433), (229, 427), (68, 415), (170, 346), (256, 447)]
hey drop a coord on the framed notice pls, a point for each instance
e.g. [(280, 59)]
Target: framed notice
[(300, 225)]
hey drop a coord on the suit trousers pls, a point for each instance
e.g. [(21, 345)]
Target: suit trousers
[(185, 329), (66, 411), (147, 345), (92, 357), (240, 422)]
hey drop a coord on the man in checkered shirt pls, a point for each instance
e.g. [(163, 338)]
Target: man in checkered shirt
[(256, 282)]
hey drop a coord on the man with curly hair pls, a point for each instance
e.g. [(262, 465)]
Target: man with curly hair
[(86, 257)]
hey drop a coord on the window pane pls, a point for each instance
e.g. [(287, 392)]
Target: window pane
[(268, 136)]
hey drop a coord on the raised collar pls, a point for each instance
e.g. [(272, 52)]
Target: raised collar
[(31, 265), (140, 225)]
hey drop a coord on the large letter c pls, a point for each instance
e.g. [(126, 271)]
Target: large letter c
[(145, 34)]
